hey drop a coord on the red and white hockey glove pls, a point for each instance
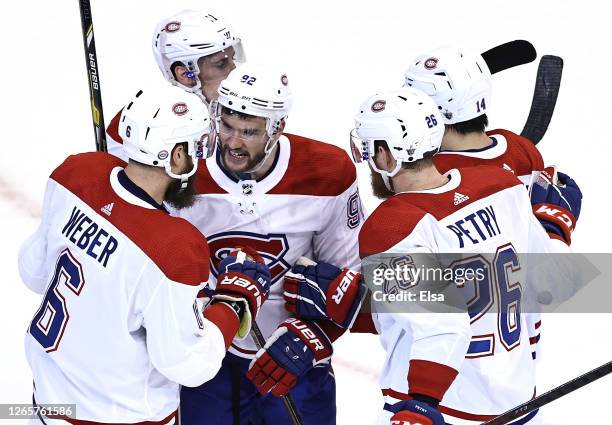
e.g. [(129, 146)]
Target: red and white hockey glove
[(243, 278), (556, 200), (294, 348), (412, 412), (322, 291)]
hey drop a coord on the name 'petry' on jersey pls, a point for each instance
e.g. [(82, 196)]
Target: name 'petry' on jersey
[(484, 212), (307, 205)]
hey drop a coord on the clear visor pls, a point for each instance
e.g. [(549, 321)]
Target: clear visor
[(360, 148)]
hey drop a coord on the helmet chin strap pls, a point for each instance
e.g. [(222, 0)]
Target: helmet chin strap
[(386, 175)]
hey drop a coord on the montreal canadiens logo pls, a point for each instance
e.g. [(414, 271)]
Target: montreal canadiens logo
[(272, 247), (378, 106), (173, 26), (284, 80), (162, 155), (180, 108), (431, 63)]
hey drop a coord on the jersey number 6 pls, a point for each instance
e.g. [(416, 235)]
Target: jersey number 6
[(50, 320)]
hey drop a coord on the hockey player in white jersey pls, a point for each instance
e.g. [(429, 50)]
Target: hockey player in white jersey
[(270, 190), (460, 83), (195, 51), (442, 367), (119, 327)]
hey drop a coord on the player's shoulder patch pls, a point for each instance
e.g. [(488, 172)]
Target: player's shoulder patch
[(113, 128), (316, 168), (389, 224), (523, 151)]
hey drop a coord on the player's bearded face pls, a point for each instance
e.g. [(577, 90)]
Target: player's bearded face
[(178, 198), (242, 141)]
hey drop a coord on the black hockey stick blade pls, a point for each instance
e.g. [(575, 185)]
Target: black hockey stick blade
[(548, 82), (93, 74), (552, 395), (509, 55), (294, 413)]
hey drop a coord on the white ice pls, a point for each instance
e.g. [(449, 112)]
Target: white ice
[(336, 54)]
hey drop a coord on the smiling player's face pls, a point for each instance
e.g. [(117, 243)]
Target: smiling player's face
[(243, 140)]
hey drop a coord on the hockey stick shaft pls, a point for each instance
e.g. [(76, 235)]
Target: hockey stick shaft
[(552, 395), (294, 414), (93, 74), (546, 90)]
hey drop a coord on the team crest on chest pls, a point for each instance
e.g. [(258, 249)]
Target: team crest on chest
[(272, 247)]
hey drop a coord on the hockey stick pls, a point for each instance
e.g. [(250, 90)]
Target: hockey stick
[(93, 73), (294, 414), (552, 395), (509, 55), (548, 81)]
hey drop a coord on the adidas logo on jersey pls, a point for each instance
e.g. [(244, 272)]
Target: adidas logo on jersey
[(108, 208), (459, 198)]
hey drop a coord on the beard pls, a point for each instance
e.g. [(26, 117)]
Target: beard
[(181, 198), (252, 162), (378, 186)]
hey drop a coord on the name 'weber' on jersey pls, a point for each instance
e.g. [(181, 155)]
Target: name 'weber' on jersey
[(118, 328), (484, 211)]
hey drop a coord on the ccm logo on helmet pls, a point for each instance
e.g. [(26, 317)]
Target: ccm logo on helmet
[(378, 106), (284, 80), (431, 63), (344, 286), (173, 26), (180, 108)]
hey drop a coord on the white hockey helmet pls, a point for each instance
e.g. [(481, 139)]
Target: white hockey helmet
[(259, 91), (188, 36), (406, 119), (159, 118), (459, 82)]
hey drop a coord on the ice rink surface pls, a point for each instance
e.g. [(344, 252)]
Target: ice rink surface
[(336, 54)]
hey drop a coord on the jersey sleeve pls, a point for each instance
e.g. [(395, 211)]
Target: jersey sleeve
[(33, 252), (183, 345), (338, 240)]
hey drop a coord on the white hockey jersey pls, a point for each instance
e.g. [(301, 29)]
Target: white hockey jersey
[(512, 153), (481, 210), (118, 328), (307, 205)]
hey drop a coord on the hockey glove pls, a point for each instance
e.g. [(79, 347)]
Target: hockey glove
[(409, 412), (323, 291), (243, 278), (556, 200), (294, 348)]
